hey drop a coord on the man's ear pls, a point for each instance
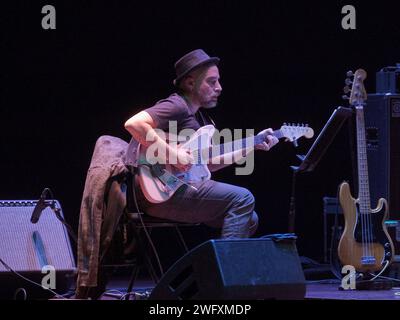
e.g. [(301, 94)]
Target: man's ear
[(190, 83)]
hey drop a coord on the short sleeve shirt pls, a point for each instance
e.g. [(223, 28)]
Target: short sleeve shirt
[(176, 108), (173, 108)]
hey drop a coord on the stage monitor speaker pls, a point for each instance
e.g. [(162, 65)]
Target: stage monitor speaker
[(27, 248), (235, 269), (382, 123)]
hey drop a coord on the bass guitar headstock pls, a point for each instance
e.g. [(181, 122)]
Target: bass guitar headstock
[(357, 94)]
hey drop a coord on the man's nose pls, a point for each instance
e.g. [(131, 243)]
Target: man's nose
[(218, 87)]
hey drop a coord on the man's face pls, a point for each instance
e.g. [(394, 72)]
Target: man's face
[(207, 88)]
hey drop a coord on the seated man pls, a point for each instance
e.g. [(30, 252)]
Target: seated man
[(213, 203)]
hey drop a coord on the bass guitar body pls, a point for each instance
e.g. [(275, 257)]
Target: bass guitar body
[(367, 249)]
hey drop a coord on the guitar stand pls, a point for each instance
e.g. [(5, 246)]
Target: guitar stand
[(368, 284), (381, 284)]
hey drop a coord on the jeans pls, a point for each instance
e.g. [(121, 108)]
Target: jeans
[(215, 204)]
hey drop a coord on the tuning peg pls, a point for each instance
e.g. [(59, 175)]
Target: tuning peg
[(348, 82), (284, 123), (346, 89), (306, 125), (349, 73), (344, 97)]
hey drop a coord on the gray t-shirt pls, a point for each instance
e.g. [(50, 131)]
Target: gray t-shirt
[(176, 108)]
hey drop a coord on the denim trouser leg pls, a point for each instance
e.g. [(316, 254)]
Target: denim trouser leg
[(215, 204)]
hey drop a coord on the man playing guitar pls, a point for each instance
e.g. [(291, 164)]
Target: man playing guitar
[(213, 203)]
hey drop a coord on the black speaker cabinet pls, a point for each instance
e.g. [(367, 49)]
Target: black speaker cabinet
[(382, 123), (27, 248), (235, 269)]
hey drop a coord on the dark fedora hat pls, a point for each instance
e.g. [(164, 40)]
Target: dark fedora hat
[(191, 61)]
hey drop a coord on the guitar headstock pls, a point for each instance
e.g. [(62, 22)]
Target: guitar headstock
[(292, 132), (357, 92)]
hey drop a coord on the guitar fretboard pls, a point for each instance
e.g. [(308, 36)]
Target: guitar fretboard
[(240, 144), (363, 183)]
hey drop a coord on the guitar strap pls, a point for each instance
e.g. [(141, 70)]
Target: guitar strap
[(204, 118)]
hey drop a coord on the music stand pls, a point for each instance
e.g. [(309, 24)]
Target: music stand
[(317, 150)]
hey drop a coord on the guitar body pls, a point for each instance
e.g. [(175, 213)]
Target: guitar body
[(159, 182), (365, 256)]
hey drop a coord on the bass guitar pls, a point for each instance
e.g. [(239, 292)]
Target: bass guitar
[(365, 242)]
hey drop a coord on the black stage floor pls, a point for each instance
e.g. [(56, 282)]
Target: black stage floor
[(332, 292), (323, 290)]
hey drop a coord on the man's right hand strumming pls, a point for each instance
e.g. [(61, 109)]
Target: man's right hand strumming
[(183, 160)]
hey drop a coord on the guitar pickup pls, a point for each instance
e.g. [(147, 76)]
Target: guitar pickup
[(368, 260)]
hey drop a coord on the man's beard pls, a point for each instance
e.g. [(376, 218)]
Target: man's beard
[(209, 104)]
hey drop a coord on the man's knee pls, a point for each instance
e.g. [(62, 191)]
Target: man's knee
[(246, 199), (253, 223)]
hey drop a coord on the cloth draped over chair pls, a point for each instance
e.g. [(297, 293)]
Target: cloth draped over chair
[(98, 217)]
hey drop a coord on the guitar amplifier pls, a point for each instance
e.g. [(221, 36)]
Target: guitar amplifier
[(388, 80), (382, 123), (27, 248)]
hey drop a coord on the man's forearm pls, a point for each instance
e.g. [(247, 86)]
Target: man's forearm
[(147, 136)]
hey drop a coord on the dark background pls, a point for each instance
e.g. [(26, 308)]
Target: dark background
[(280, 62)]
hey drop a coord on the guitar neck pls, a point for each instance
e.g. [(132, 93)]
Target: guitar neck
[(240, 144), (363, 183)]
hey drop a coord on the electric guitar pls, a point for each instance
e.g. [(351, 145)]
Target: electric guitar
[(365, 242), (159, 182)]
